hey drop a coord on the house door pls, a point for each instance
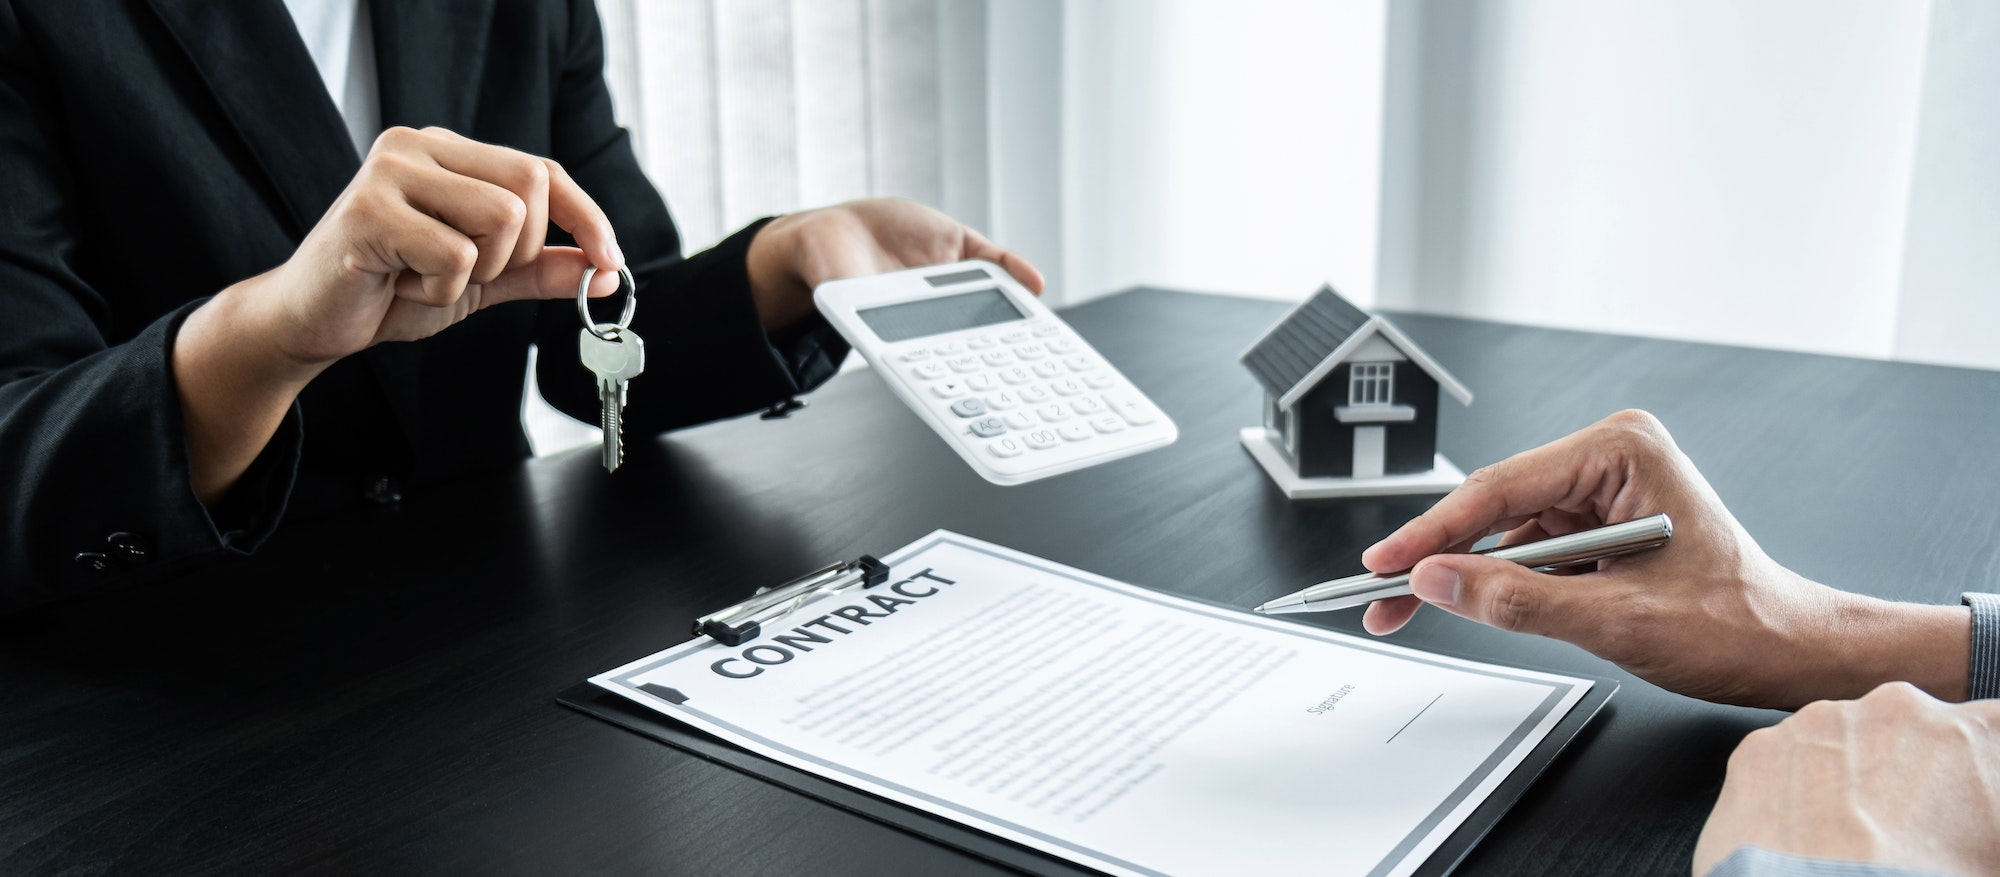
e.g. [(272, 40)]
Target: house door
[(1368, 449)]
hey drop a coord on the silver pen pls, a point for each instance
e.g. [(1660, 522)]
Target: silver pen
[(1575, 549)]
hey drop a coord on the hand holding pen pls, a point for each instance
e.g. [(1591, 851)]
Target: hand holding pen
[(1579, 549), (1712, 616)]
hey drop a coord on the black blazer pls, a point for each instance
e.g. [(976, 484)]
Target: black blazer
[(153, 152)]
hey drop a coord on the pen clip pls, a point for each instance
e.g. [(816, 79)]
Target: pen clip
[(744, 621)]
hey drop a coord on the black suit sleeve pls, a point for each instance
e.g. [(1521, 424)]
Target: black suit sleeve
[(707, 355), (91, 439)]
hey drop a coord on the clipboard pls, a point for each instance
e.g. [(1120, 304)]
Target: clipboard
[(595, 701)]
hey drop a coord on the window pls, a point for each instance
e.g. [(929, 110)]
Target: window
[(1371, 383)]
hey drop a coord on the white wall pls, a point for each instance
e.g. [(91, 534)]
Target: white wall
[(1228, 147), (1718, 170), (1793, 174), (1796, 174), (1949, 310)]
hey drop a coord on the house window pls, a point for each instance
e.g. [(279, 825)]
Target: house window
[(1371, 383)]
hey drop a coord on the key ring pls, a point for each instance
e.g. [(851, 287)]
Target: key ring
[(583, 306)]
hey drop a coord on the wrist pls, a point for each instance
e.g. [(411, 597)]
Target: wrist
[(235, 386), (243, 327), (1872, 641), (778, 287)]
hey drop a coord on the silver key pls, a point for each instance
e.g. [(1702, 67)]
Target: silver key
[(616, 357)]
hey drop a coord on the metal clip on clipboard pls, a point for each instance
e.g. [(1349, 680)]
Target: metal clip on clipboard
[(741, 623)]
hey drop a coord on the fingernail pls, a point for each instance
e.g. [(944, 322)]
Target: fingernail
[(1436, 583), (617, 255)]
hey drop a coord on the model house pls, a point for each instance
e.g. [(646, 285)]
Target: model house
[(1350, 404)]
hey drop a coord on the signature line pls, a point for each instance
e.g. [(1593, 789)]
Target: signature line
[(1413, 719)]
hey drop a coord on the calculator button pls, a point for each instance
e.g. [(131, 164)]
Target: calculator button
[(1081, 362), (968, 408), (980, 383), (1074, 432), (1033, 395), (1002, 401), (1042, 438), (948, 348), (1054, 412), (1067, 387), (1086, 406), (979, 342), (1107, 423), (1061, 346), (1135, 411), (1047, 369), (928, 371), (1018, 420), (1031, 351), (1005, 447), (1046, 331), (1099, 381), (1015, 375), (997, 358), (948, 389), (987, 427), (963, 364), (916, 356), (1013, 337)]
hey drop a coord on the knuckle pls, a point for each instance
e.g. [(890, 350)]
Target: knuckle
[(1513, 605), (1488, 474), (368, 201), (1636, 420), (1897, 696), (535, 173), (1634, 429), (392, 164), (1756, 746), (510, 211), (1818, 714), (463, 256), (398, 137), (1894, 690)]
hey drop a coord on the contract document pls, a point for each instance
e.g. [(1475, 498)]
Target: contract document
[(1120, 728)]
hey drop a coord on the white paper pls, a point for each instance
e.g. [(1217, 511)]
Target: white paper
[(1124, 729)]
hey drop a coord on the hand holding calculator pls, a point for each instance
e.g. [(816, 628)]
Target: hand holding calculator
[(1010, 386)]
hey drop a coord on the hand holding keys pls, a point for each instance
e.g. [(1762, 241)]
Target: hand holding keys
[(614, 353)]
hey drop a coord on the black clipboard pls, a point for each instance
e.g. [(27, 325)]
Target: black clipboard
[(592, 700)]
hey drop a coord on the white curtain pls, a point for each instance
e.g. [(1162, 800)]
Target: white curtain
[(746, 108), (741, 109)]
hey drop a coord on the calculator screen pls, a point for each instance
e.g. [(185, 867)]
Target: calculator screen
[(915, 319)]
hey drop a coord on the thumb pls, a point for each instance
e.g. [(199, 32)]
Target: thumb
[(1494, 592), (553, 274)]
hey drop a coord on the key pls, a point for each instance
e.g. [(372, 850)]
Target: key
[(615, 361)]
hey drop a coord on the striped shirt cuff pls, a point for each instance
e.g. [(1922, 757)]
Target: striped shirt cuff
[(1760, 862), (1984, 680)]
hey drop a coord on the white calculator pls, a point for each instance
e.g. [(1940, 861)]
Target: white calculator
[(1008, 384)]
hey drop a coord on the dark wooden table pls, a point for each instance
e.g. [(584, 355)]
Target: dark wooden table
[(378, 696)]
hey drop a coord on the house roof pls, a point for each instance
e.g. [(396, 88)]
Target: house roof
[(1318, 335)]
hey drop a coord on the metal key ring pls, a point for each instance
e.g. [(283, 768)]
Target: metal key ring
[(583, 303)]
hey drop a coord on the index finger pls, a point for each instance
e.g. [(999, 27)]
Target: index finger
[(573, 211), (569, 207), (1495, 498), (978, 247)]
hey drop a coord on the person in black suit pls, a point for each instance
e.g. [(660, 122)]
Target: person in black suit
[(205, 282)]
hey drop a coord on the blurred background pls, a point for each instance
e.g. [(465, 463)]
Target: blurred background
[(1793, 174)]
